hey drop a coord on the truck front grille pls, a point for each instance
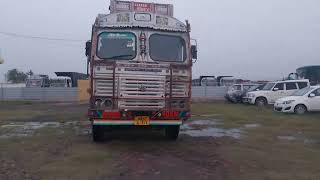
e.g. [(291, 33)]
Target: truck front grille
[(140, 92), (104, 87), (139, 104), (142, 87)]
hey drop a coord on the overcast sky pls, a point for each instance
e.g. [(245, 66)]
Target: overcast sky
[(255, 39)]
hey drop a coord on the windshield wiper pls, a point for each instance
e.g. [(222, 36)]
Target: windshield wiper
[(119, 56)]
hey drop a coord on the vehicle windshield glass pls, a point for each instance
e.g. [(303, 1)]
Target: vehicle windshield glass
[(268, 86), (302, 92), (116, 45), (167, 48), (253, 88)]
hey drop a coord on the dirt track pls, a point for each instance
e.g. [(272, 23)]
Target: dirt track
[(53, 141)]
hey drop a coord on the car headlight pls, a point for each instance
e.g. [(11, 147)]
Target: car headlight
[(251, 95), (288, 102)]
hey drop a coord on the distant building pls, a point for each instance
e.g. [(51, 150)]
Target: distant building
[(310, 72), (74, 76)]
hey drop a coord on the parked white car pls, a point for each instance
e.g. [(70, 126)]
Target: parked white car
[(275, 90), (307, 99)]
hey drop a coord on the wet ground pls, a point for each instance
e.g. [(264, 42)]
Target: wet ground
[(54, 132), (53, 141)]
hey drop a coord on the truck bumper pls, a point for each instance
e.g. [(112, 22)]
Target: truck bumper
[(130, 122)]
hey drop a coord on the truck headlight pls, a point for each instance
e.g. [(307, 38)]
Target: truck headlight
[(182, 104), (108, 103), (288, 102), (98, 103), (251, 95), (174, 104)]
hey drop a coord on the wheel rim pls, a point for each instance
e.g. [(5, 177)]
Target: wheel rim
[(260, 103), (300, 110)]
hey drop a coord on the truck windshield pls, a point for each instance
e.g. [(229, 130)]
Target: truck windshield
[(116, 45), (167, 48)]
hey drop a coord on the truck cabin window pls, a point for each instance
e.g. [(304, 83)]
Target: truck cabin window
[(167, 48), (116, 45)]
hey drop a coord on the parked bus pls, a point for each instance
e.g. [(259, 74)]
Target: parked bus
[(310, 72)]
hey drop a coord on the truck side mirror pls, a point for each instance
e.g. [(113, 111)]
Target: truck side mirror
[(275, 89), (194, 52), (88, 48)]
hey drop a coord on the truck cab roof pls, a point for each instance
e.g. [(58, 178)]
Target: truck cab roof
[(124, 14)]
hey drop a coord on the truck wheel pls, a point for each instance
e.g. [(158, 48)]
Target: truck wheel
[(97, 133), (172, 132), (300, 109), (261, 102)]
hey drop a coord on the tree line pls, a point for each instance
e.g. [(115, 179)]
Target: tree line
[(17, 76)]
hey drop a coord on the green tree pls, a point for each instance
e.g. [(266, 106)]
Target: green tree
[(16, 76)]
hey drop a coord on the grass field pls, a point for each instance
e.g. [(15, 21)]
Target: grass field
[(272, 146), (284, 146)]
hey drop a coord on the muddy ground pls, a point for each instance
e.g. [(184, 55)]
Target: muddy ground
[(53, 141)]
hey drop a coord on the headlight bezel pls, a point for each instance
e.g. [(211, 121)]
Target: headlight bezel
[(103, 103), (288, 101)]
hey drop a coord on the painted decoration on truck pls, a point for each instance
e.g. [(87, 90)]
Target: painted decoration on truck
[(142, 7)]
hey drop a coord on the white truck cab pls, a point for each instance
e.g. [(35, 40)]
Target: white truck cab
[(273, 91)]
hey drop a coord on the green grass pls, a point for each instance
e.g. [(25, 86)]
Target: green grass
[(260, 154)]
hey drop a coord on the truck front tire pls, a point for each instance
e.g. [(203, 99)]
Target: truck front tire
[(97, 133), (172, 132)]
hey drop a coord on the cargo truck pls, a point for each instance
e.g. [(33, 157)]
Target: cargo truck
[(140, 69)]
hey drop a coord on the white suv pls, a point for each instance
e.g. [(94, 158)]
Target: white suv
[(275, 90)]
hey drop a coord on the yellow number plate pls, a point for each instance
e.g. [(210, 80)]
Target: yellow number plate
[(142, 121)]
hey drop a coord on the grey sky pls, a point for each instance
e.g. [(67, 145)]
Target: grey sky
[(257, 39)]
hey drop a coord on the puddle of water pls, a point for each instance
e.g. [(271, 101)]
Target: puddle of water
[(191, 130), (298, 139), (214, 132), (248, 126), (204, 122), (287, 138), (23, 129), (189, 126)]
